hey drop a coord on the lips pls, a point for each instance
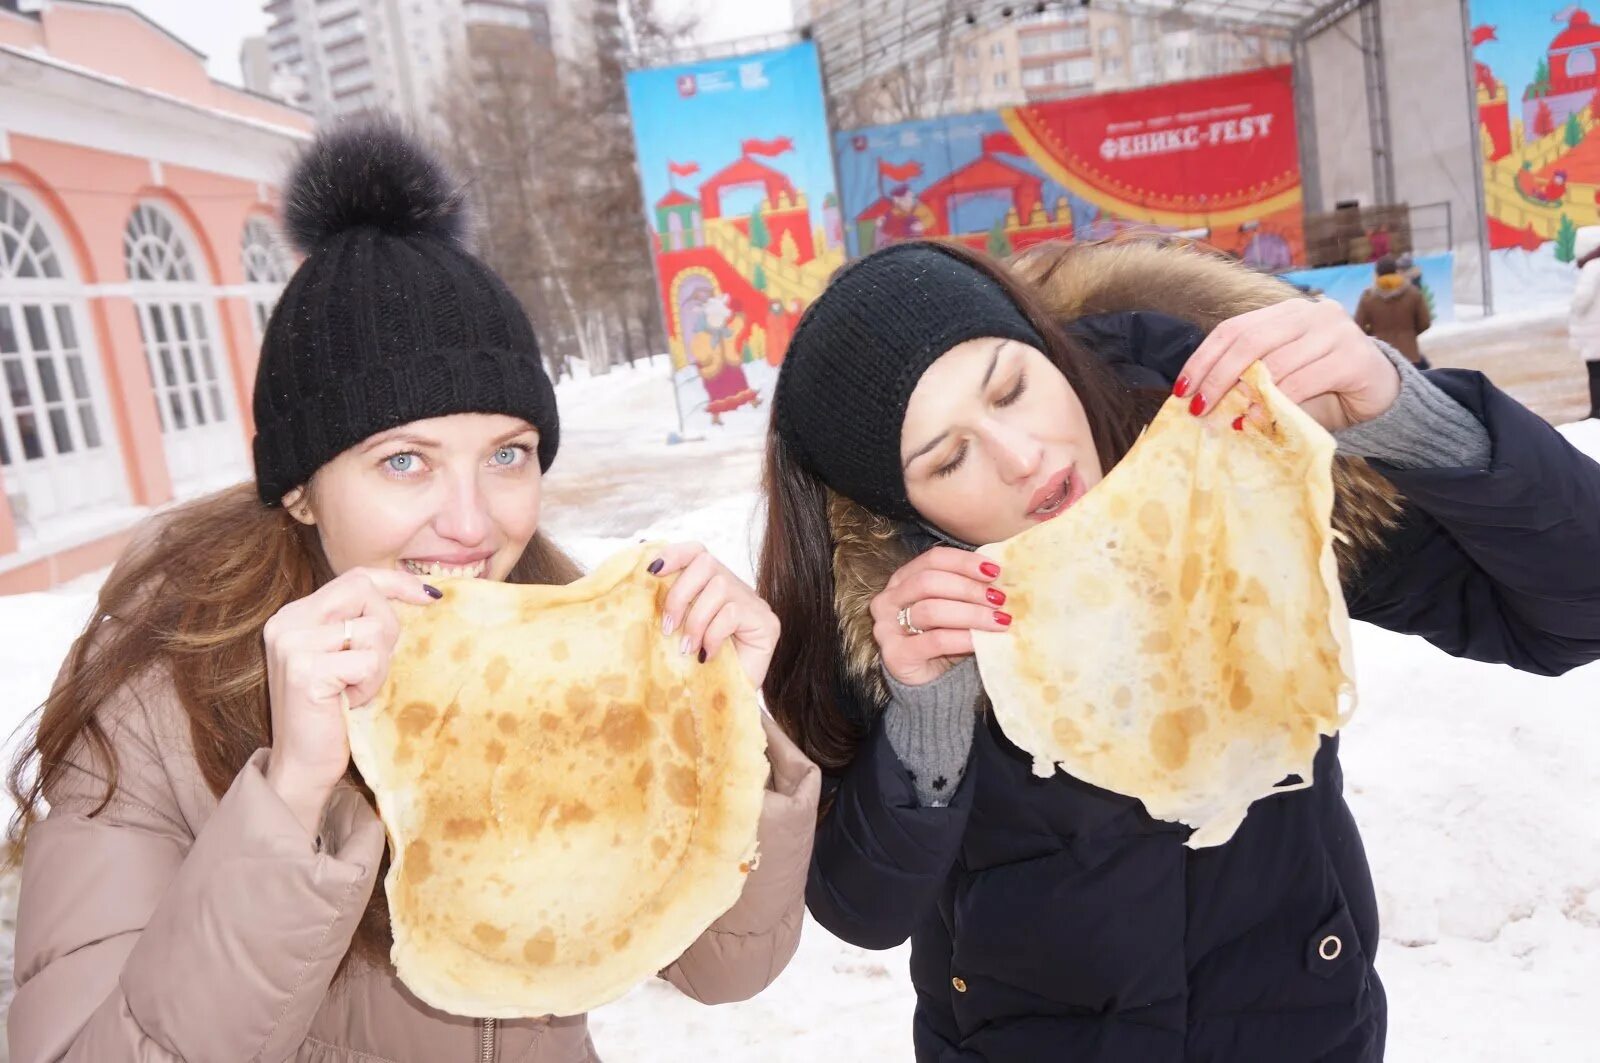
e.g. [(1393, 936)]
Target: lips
[(1056, 496)]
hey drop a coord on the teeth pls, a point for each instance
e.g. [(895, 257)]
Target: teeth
[(475, 570)]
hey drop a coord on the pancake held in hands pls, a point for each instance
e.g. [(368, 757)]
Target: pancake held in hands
[(1180, 635), (570, 801)]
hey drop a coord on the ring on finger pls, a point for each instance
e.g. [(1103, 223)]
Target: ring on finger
[(349, 627), (904, 617)]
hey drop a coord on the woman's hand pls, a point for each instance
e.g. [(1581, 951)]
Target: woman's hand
[(713, 606), (1316, 354), (946, 594), (335, 641)]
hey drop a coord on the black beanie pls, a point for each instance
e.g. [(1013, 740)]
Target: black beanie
[(389, 319), (860, 349)]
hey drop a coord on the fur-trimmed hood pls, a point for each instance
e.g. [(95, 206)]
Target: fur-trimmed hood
[(1084, 279)]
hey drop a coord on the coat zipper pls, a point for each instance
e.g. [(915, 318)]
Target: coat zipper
[(486, 1040)]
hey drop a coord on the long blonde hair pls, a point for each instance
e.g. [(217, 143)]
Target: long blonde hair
[(194, 593)]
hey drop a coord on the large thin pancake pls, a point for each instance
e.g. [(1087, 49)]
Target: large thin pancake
[(570, 801), (1180, 635)]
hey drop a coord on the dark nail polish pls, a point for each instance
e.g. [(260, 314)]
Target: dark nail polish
[(995, 597), (433, 592), (655, 566), (1003, 619), (1198, 406), (990, 569), (1238, 423), (1181, 388), (702, 656)]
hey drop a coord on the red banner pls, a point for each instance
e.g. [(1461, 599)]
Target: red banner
[(1217, 153), (683, 169)]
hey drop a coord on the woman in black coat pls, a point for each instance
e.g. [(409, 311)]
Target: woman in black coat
[(931, 399)]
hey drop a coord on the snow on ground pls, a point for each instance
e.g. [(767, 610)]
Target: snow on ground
[(1524, 280), (1475, 787)]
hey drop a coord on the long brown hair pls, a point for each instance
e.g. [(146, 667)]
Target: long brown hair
[(192, 595), (806, 684)]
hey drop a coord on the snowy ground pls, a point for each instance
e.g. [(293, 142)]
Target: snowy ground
[(1475, 787)]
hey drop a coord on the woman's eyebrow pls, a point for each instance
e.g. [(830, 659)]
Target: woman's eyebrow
[(929, 445), (399, 437), (994, 360)]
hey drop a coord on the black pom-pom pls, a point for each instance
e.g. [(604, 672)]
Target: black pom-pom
[(370, 172)]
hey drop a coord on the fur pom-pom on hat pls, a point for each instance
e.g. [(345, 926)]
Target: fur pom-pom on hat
[(370, 173)]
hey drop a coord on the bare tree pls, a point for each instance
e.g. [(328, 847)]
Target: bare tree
[(555, 174)]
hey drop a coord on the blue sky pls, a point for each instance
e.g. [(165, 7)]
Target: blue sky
[(767, 95), (1524, 29)]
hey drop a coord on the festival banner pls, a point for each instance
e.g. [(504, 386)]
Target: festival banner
[(1215, 158), (739, 195), (1535, 81), (963, 176)]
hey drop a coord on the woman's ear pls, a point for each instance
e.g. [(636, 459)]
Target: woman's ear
[(298, 504)]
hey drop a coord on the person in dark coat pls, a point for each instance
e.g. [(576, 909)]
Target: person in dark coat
[(928, 401)]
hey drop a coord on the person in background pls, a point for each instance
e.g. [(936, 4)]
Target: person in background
[(1583, 319), (1395, 311), (1409, 269)]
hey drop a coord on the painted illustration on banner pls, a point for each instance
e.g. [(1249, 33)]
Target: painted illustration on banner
[(963, 176), (1535, 79), (745, 221), (1214, 158)]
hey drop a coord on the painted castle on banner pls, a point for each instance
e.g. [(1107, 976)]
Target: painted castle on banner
[(745, 221)]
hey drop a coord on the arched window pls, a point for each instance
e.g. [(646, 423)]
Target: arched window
[(266, 271), (193, 394), (54, 430)]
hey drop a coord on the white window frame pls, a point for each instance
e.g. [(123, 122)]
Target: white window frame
[(266, 271), (190, 378), (50, 492)]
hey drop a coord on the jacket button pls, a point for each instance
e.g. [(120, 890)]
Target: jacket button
[(1330, 947), (958, 985)]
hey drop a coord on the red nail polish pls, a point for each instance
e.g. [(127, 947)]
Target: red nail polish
[(1238, 423), (1003, 619), (702, 656), (995, 597), (1181, 388), (990, 569), (1198, 406)]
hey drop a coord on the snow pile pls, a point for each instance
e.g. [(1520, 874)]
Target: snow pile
[(1528, 280)]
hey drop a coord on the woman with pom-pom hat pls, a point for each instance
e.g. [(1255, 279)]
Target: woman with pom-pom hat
[(202, 886)]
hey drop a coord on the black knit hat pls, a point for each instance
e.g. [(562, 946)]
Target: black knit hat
[(389, 319), (860, 349)]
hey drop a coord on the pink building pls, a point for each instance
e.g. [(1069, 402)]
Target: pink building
[(137, 268)]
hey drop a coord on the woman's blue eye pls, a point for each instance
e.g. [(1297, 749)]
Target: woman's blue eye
[(402, 462), (508, 455)]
